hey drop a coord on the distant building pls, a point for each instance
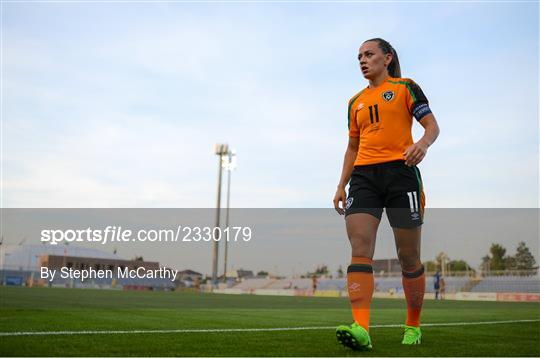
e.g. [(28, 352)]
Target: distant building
[(189, 275), (28, 257), (21, 264), (239, 274)]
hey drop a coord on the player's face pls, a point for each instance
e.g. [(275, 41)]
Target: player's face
[(372, 60)]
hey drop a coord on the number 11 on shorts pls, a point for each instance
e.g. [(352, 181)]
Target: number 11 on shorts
[(413, 201)]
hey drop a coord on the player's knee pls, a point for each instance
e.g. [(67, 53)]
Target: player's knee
[(410, 261), (361, 237), (362, 244)]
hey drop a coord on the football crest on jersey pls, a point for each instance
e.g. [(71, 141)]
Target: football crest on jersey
[(388, 95)]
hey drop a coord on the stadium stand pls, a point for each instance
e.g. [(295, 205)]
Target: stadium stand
[(388, 284), (393, 284), (254, 283), (525, 284), (454, 284), (295, 283), (332, 284)]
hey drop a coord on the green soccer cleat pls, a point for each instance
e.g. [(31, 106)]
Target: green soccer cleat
[(354, 336), (411, 335)]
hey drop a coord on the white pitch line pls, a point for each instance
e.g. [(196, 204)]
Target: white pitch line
[(63, 333)]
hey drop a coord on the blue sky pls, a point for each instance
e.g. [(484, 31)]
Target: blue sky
[(119, 105)]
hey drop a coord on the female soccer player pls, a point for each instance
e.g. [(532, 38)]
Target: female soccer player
[(380, 162)]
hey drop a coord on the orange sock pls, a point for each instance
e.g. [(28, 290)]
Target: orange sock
[(414, 285), (360, 285)]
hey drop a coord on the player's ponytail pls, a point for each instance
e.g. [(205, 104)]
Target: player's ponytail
[(394, 70)]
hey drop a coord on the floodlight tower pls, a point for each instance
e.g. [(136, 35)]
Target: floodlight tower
[(229, 163), (220, 150)]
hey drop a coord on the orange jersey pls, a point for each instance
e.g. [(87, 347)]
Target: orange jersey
[(382, 118)]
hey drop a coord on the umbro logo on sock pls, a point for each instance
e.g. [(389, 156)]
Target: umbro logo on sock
[(354, 286)]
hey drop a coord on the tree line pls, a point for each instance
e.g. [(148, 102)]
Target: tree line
[(495, 260), (498, 260)]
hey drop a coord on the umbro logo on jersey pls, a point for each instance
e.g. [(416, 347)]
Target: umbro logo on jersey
[(388, 95), (360, 106), (349, 203)]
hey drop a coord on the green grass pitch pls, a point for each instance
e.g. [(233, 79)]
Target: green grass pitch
[(56, 309)]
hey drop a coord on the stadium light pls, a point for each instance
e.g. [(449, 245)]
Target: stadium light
[(220, 150), (229, 164)]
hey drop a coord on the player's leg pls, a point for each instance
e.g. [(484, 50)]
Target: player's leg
[(363, 214), (405, 210), (362, 231), (413, 279)]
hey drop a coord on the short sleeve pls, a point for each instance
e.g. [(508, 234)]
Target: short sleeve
[(353, 125), (417, 102)]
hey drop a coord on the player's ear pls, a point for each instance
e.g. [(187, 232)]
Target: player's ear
[(389, 59)]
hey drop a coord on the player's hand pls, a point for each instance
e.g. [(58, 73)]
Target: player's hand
[(340, 196), (415, 153)]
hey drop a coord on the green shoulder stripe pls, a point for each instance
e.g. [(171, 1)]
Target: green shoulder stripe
[(350, 105), (408, 85)]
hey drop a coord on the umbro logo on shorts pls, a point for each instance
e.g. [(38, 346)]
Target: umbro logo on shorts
[(388, 95), (413, 202), (349, 203)]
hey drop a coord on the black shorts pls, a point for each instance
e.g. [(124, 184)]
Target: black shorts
[(392, 185)]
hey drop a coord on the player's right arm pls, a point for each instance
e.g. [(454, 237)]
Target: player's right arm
[(350, 157), (348, 167)]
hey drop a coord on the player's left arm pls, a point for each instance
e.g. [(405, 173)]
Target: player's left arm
[(416, 152), (418, 106)]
